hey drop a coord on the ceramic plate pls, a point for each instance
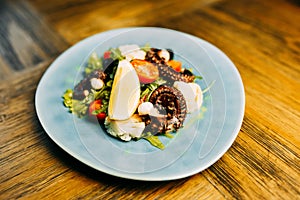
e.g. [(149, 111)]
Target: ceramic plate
[(206, 136)]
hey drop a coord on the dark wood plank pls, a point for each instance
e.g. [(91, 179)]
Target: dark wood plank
[(25, 38)]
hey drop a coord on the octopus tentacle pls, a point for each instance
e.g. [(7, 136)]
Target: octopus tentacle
[(171, 106), (85, 84), (166, 71)]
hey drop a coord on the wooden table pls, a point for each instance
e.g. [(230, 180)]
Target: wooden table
[(262, 38)]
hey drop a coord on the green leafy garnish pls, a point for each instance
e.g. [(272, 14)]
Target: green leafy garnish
[(154, 140), (147, 89), (198, 77), (209, 86), (77, 107), (93, 63), (146, 47), (116, 54), (168, 135), (67, 96)]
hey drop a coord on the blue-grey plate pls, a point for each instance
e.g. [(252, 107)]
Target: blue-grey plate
[(206, 135)]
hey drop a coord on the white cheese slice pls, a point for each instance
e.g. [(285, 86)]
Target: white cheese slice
[(125, 129), (132, 51), (192, 94)]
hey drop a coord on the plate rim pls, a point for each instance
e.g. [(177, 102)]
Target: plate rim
[(139, 176)]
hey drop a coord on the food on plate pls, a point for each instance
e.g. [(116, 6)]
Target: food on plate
[(192, 94), (96, 109), (127, 129), (171, 108), (125, 92), (132, 51), (146, 71), (136, 93), (175, 64)]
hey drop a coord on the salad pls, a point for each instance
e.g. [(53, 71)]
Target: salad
[(136, 93)]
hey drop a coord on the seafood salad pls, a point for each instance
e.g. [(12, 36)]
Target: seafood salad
[(136, 93)]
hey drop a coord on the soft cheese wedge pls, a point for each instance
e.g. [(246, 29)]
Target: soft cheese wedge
[(192, 94), (125, 129), (125, 93)]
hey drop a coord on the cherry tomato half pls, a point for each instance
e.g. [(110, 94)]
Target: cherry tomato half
[(147, 72), (106, 54), (93, 107)]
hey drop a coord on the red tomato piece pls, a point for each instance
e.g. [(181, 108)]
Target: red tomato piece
[(101, 116), (93, 107), (147, 72), (106, 54)]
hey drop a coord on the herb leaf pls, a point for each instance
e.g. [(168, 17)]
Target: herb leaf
[(147, 89), (209, 86), (146, 47), (116, 54), (77, 107), (94, 63), (154, 140)]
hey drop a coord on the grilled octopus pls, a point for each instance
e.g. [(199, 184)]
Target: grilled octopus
[(85, 84), (169, 74), (109, 66), (169, 101), (171, 107)]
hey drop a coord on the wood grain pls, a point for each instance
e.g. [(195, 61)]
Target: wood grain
[(262, 38), (105, 15), (25, 40)]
